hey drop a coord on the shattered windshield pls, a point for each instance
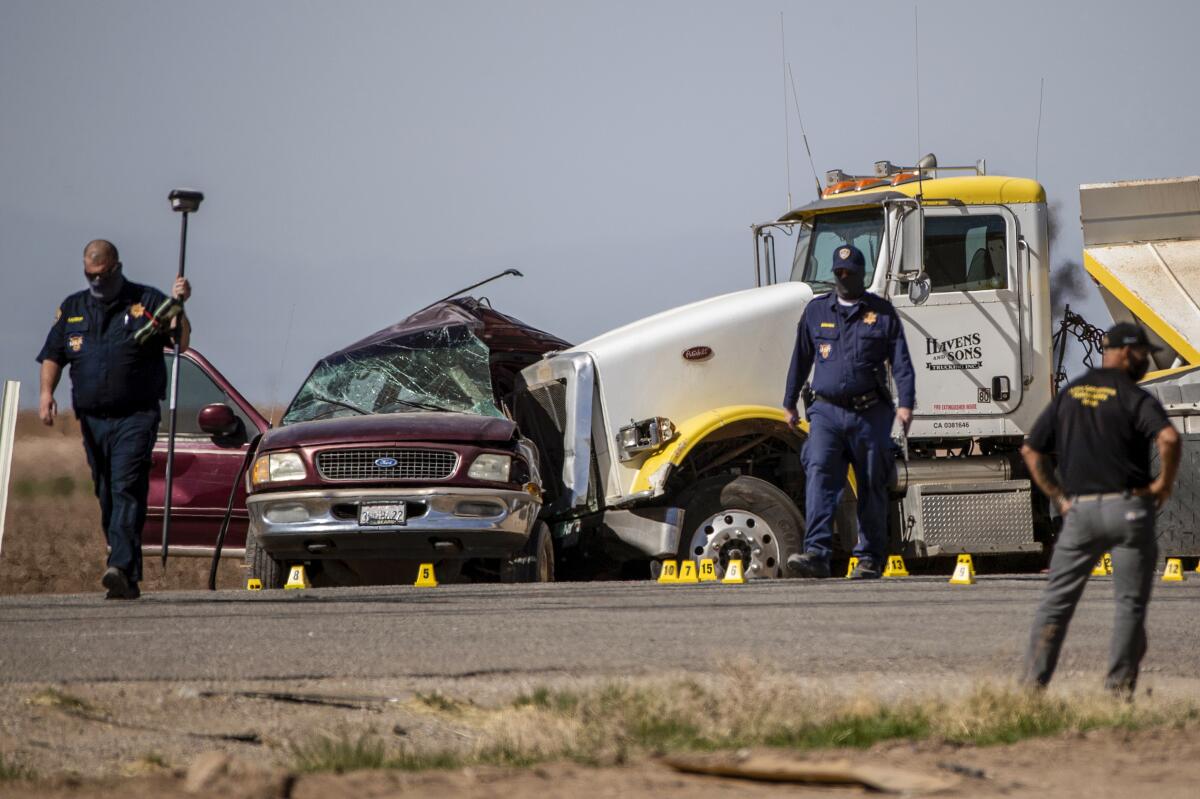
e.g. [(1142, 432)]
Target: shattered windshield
[(445, 369)]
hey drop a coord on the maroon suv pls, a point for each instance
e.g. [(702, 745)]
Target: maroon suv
[(399, 450)]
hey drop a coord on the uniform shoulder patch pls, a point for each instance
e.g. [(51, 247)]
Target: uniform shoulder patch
[(58, 314)]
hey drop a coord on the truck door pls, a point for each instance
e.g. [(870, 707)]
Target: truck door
[(205, 465), (965, 339)]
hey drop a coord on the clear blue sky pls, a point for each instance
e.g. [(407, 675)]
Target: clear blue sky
[(364, 158)]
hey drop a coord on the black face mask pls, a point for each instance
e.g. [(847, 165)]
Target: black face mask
[(849, 285), (106, 287), (1139, 368)]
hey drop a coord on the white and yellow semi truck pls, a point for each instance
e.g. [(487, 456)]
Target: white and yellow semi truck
[(666, 437)]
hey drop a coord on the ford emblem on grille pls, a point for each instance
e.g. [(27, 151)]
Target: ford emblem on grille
[(386, 463)]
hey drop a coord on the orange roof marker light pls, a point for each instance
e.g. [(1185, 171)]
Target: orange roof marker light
[(889, 174)]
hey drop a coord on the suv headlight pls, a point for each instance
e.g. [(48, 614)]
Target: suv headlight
[(491, 467), (644, 435), (277, 467)]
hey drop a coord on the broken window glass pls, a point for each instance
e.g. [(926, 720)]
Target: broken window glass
[(444, 369)]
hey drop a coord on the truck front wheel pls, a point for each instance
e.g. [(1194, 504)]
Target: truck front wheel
[(735, 517)]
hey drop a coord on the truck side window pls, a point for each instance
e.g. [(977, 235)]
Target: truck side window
[(966, 253), (196, 389)]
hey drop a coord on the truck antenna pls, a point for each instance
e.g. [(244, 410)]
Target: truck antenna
[(1037, 140), (917, 73), (787, 138), (803, 134)]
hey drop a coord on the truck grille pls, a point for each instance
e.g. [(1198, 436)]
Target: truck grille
[(411, 464)]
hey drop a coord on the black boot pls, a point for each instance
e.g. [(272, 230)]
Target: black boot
[(809, 564), (118, 585), (866, 570)]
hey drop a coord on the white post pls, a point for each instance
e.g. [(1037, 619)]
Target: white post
[(8, 432)]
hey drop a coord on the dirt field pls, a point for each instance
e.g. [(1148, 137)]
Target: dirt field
[(147, 740), (52, 537)]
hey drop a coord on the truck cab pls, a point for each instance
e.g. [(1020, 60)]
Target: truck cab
[(670, 433)]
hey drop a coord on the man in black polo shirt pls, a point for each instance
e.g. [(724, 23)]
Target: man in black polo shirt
[(116, 386), (1101, 427)]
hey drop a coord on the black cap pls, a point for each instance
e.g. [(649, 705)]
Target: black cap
[(849, 257), (1127, 334)]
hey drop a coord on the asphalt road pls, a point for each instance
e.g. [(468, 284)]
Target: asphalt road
[(915, 625)]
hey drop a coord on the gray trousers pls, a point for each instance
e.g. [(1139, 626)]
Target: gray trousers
[(1124, 527)]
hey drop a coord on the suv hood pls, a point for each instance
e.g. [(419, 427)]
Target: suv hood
[(392, 427)]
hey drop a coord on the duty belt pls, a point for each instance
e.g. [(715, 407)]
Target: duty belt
[(1126, 494), (860, 402)]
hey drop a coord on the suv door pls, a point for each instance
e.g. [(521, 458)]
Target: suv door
[(206, 466), (965, 340)]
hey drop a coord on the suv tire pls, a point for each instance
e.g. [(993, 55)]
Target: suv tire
[(534, 563), (262, 566)]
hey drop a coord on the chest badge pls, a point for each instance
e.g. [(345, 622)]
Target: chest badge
[(137, 310), (75, 343), (825, 350), (870, 318)]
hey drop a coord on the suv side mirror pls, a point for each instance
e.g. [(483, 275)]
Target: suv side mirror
[(218, 419)]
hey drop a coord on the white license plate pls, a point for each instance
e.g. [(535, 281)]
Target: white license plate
[(382, 514)]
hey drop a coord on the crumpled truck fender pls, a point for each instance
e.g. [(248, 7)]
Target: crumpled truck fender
[(652, 476)]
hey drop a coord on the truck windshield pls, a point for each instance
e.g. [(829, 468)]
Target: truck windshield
[(446, 369), (819, 239)]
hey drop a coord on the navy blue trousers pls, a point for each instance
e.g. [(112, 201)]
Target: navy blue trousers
[(838, 438), (119, 450)]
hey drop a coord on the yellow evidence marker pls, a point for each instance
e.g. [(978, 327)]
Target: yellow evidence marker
[(895, 567), (687, 572), (734, 575), (254, 584), (297, 578), (425, 577), (669, 573), (851, 566), (708, 570), (1103, 566), (1174, 571), (964, 571)]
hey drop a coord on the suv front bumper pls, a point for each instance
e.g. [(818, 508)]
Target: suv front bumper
[(306, 525)]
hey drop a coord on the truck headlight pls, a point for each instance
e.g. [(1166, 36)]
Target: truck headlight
[(491, 467), (645, 435), (277, 467)]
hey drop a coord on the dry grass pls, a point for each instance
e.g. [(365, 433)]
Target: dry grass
[(14, 770), (611, 723)]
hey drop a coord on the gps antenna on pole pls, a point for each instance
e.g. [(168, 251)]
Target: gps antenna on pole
[(183, 201)]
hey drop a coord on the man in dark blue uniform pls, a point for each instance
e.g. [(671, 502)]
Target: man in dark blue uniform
[(847, 338), (116, 386)]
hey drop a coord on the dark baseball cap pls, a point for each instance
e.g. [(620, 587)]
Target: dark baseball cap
[(849, 257), (1127, 334)]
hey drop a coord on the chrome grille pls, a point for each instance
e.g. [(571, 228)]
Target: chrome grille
[(411, 464)]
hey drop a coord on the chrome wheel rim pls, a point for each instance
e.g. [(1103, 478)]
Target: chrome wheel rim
[(731, 534)]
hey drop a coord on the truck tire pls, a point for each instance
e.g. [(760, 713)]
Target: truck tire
[(262, 566), (736, 516), (534, 563)]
